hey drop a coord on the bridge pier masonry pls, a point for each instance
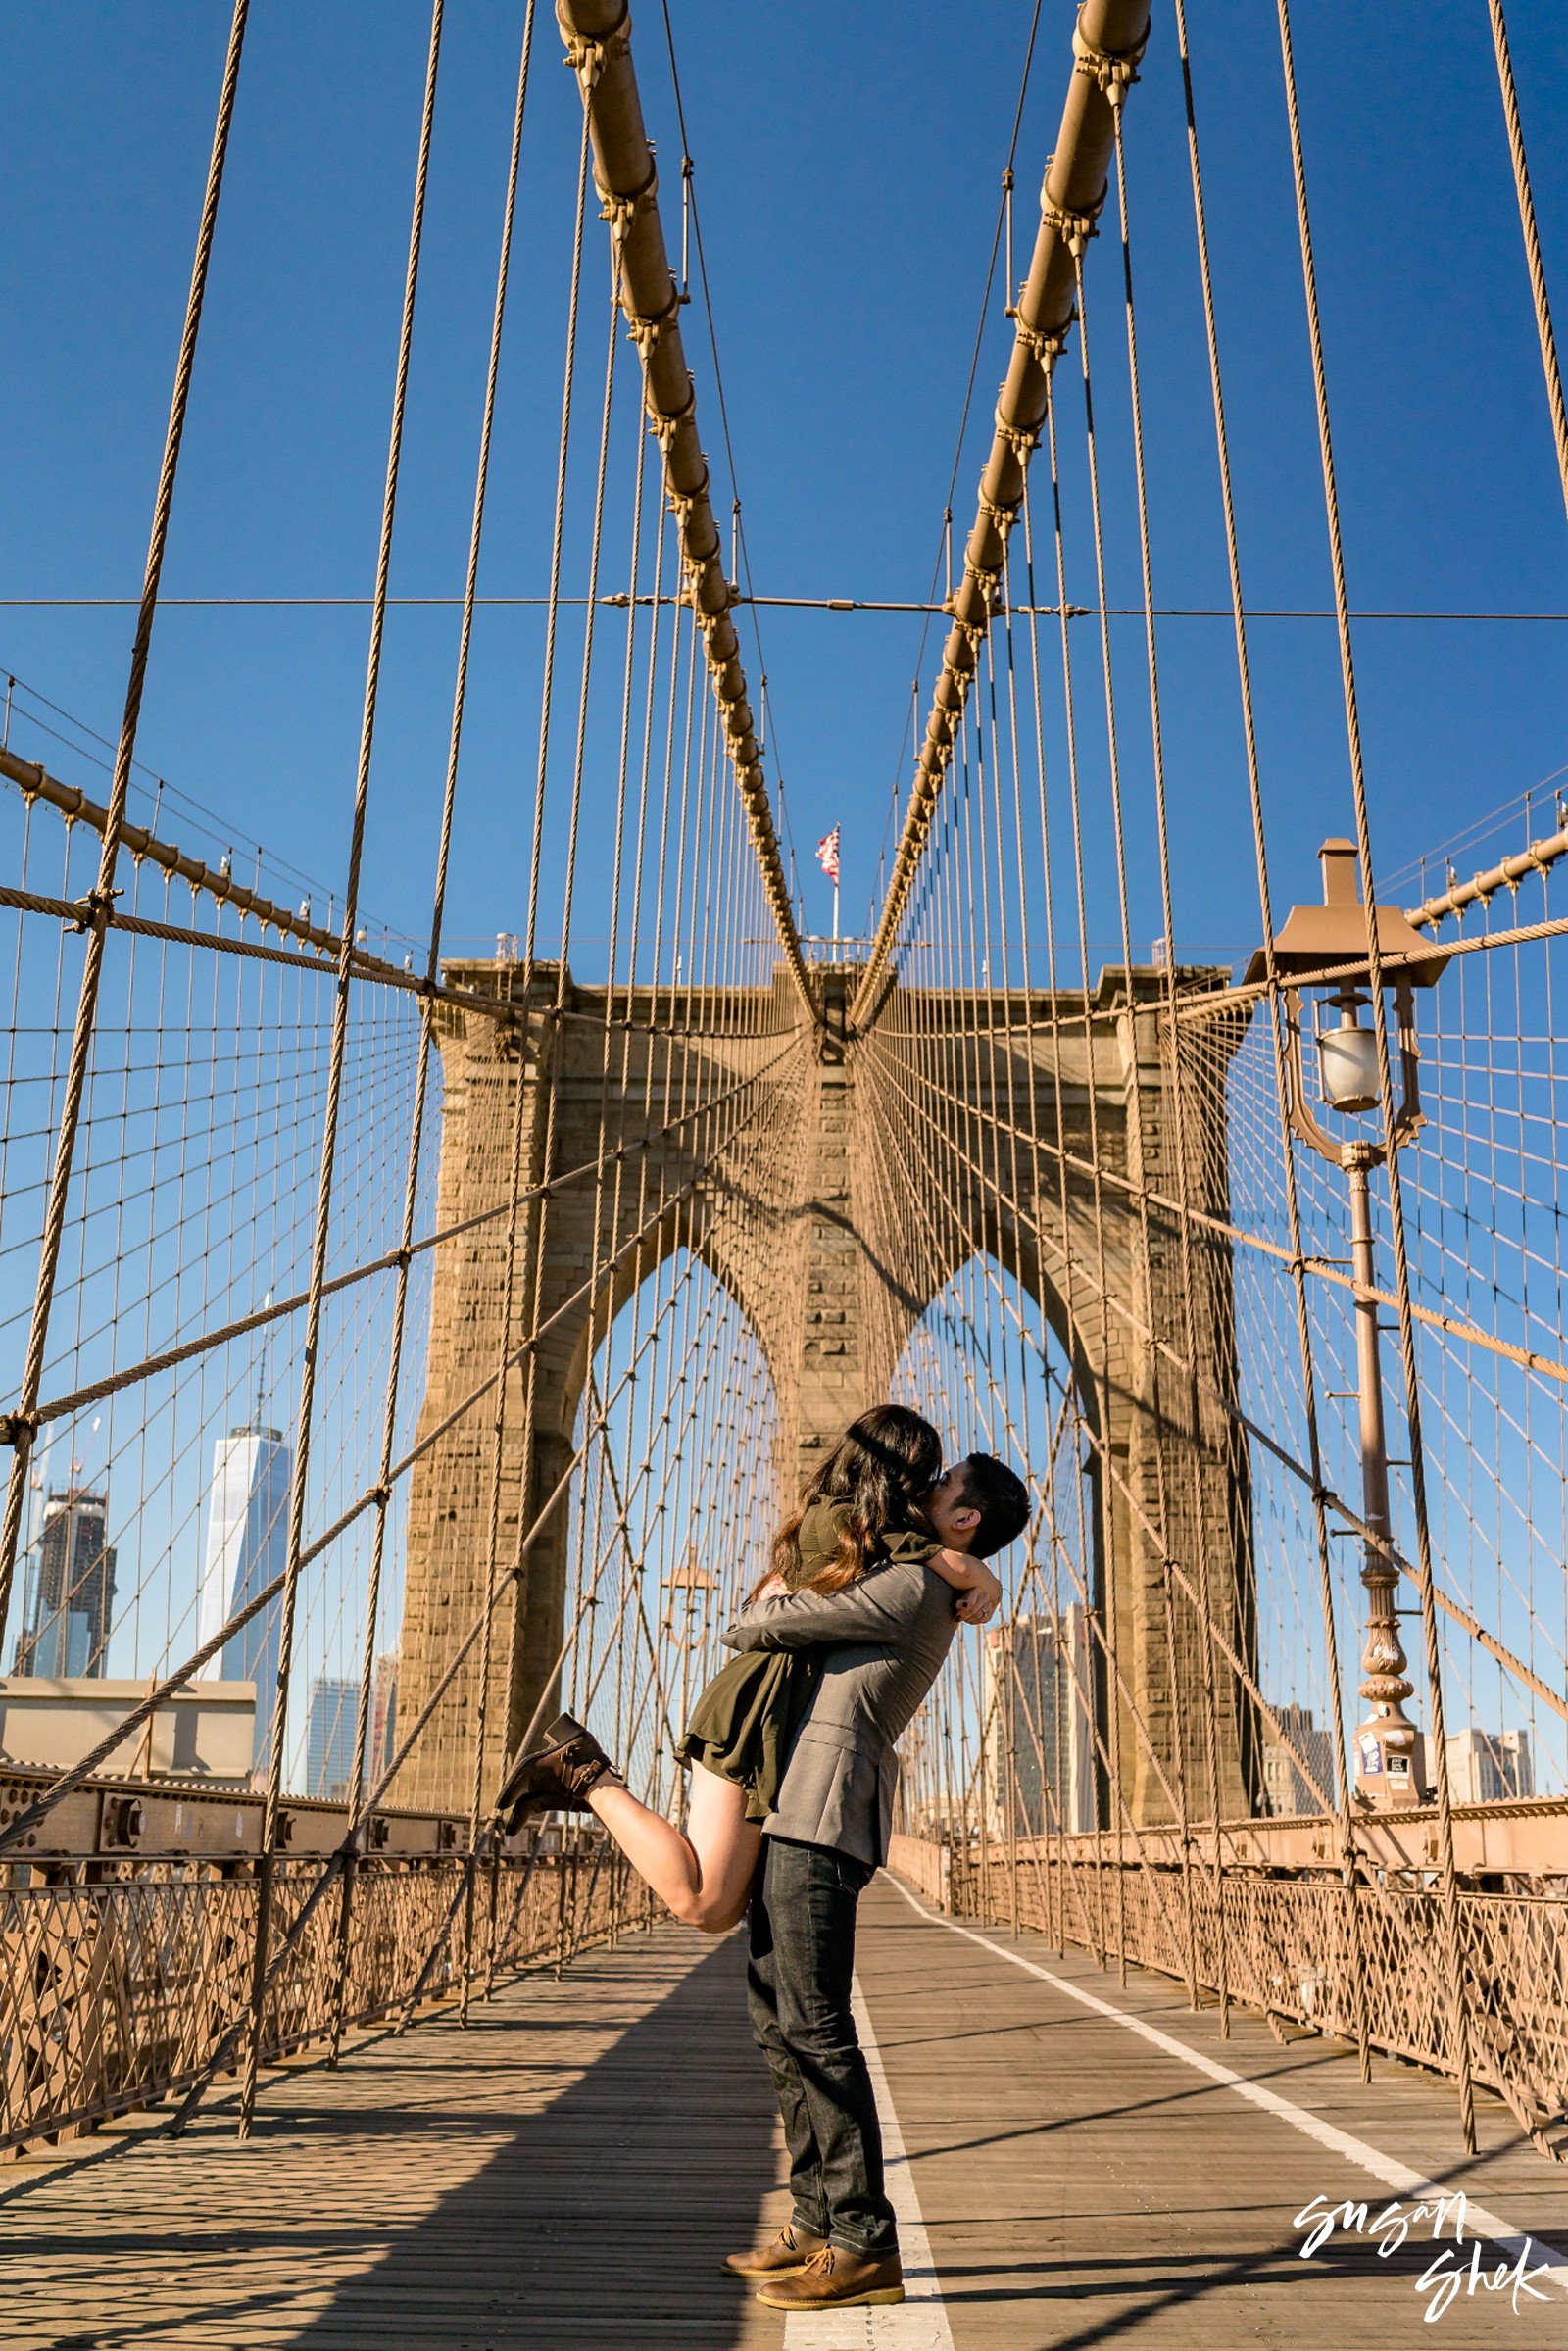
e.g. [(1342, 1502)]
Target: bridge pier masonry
[(1064, 1160), (587, 1187), (840, 1272)]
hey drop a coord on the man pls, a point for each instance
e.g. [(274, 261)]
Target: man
[(889, 1632)]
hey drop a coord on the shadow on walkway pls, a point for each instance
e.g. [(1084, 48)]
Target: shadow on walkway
[(603, 2221)]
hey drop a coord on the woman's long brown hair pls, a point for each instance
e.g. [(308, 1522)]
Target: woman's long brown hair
[(878, 1467)]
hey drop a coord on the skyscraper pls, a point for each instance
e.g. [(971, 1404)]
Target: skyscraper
[(329, 1739), (246, 1542), (1286, 1793), (1490, 1767), (70, 1601), (1039, 1748), (383, 1714)]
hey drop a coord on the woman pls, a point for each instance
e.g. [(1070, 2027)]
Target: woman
[(878, 1496)]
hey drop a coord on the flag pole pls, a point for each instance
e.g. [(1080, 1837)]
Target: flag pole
[(828, 856)]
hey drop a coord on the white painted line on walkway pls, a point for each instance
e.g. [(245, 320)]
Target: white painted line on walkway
[(919, 2323), (1386, 2169)]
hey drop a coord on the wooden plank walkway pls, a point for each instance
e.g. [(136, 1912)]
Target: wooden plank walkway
[(567, 2173), (564, 2176), (1081, 2188)]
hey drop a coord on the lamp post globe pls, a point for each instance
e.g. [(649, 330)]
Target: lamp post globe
[(1348, 1058)]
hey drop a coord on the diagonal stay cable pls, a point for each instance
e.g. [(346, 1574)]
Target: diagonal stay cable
[(71, 1780), (339, 1859), (78, 1399), (598, 36), (1109, 40)]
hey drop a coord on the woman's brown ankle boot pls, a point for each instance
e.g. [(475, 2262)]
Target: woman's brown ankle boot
[(557, 1776)]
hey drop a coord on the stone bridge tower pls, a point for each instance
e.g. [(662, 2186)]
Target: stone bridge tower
[(781, 1186)]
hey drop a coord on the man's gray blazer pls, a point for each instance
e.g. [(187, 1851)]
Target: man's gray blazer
[(890, 1633)]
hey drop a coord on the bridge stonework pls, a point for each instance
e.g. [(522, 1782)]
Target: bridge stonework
[(792, 1164), (1046, 1088)]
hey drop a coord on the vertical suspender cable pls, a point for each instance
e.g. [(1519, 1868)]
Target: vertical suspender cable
[(1111, 33), (1532, 237), (1069, 1256), (1139, 1141), (546, 1050), (520, 1593), (1053, 1771), (1451, 1927), (334, 1095), (100, 902), (598, 36), (1292, 1205), (1174, 1082), (357, 1824), (1106, 1497)]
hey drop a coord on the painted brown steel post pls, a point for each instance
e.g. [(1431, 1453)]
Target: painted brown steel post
[(598, 39), (1384, 1667), (1012, 1785), (1109, 40), (985, 1824)]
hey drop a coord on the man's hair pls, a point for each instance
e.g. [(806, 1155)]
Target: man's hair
[(1002, 1500)]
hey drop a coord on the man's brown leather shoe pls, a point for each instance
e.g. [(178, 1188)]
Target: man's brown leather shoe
[(785, 2257), (834, 2280), (556, 1776)]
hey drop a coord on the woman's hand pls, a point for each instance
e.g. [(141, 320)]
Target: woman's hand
[(980, 1602)]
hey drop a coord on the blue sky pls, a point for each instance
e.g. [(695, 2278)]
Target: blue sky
[(848, 168), (848, 165)]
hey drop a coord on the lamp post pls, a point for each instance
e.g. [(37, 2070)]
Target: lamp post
[(1313, 940)]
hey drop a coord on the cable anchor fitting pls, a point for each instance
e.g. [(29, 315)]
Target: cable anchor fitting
[(1003, 514), (1022, 439), (667, 423), (98, 904), (986, 577), (1114, 71), (588, 53), (620, 206), (1044, 346), (1075, 229)]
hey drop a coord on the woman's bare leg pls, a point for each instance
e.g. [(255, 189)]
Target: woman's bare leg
[(706, 1875)]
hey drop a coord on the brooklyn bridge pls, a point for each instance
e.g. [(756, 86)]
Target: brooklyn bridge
[(406, 1339)]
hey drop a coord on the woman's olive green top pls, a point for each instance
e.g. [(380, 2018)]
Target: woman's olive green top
[(742, 1725)]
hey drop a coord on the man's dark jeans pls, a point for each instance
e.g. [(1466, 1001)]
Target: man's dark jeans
[(801, 1965)]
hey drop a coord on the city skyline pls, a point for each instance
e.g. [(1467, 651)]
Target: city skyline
[(329, 1738), (1037, 1738), (67, 1607), (247, 1534)]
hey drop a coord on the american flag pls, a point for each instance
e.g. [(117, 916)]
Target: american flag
[(828, 855)]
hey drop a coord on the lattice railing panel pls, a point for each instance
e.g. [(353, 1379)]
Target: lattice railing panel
[(1299, 1949), (116, 1995)]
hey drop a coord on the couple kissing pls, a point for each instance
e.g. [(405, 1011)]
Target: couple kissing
[(793, 1776)]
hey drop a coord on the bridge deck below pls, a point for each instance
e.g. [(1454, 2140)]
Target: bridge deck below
[(566, 2174)]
